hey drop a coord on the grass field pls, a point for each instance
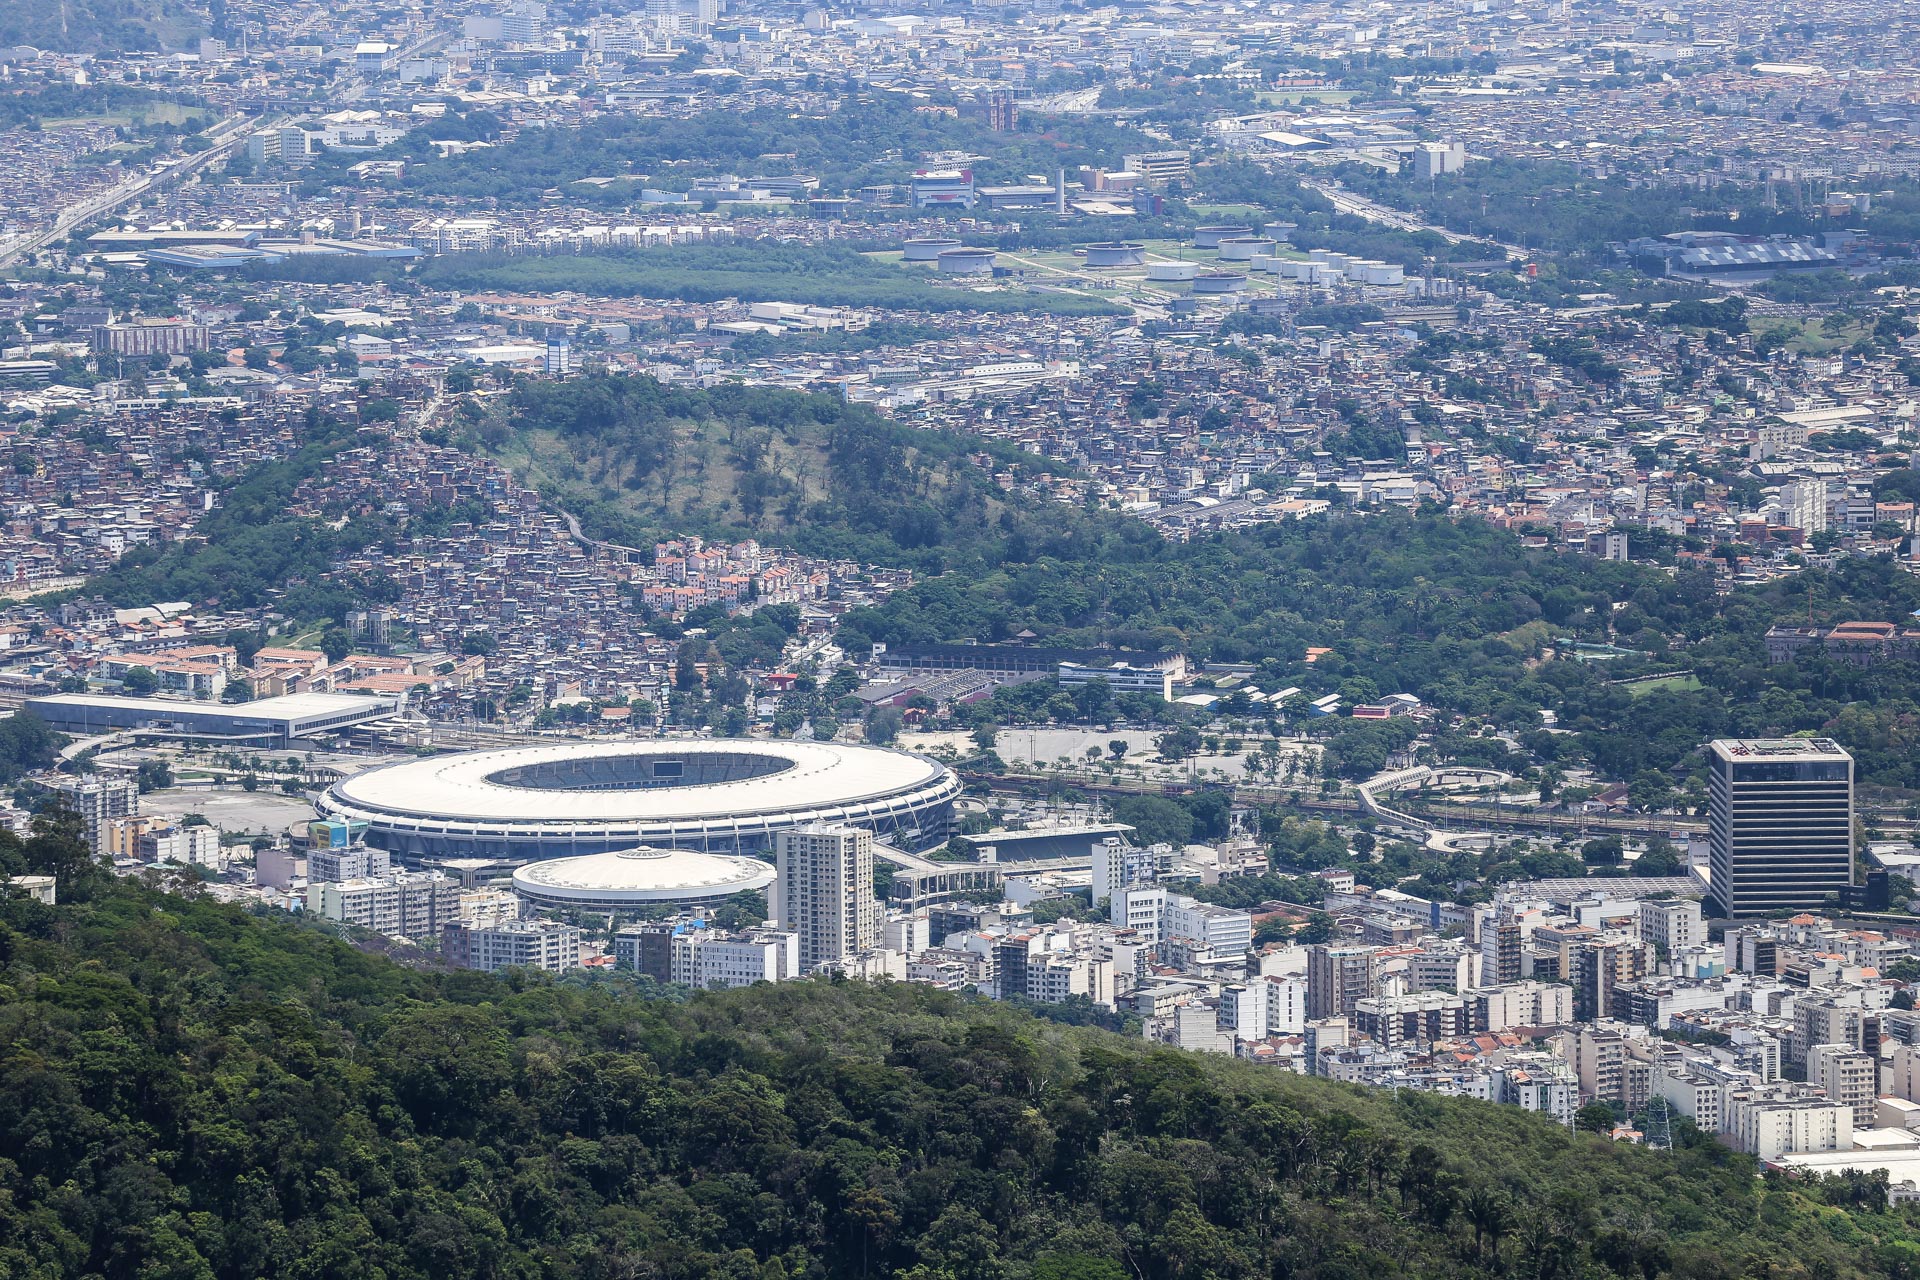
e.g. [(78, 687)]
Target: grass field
[(1671, 684), (817, 275)]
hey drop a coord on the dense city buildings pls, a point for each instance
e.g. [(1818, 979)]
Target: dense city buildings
[(1383, 546)]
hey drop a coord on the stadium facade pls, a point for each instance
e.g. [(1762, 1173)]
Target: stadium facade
[(728, 796)]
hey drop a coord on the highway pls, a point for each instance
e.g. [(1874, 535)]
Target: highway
[(1428, 816), (1346, 202), (226, 137)]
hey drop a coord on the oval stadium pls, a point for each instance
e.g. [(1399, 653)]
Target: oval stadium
[(639, 878), (524, 804)]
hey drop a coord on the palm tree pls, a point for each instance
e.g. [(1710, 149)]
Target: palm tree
[(1490, 1214)]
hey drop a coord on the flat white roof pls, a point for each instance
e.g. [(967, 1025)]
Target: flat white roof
[(463, 787), (292, 706), (643, 875)]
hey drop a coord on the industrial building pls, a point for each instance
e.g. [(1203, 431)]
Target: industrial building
[(269, 722)]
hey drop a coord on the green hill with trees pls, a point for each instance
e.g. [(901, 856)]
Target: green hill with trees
[(189, 1092), (636, 459), (95, 26)]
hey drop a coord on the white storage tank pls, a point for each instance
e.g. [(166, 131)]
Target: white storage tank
[(1116, 254), (1391, 274), (1244, 248), (965, 262), (927, 248), (1172, 272), (1220, 282), (1210, 237)]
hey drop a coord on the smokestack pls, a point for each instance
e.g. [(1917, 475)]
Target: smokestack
[(1060, 191)]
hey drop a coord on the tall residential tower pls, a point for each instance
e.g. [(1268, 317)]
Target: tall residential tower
[(823, 891)]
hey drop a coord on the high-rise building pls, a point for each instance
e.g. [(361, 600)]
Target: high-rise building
[(1500, 946), (1804, 505), (1118, 865), (1672, 924), (1338, 978), (98, 798), (1431, 159), (1848, 1076), (823, 890), (1780, 823), (1001, 114)]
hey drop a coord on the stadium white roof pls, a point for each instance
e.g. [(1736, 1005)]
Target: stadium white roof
[(804, 776)]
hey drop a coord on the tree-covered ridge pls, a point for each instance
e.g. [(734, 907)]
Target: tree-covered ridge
[(877, 137), (637, 460), (1462, 614), (91, 26), (190, 1092)]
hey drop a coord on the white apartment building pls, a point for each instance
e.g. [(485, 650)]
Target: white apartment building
[(823, 891), (417, 904), (1901, 1078), (522, 944), (188, 846), (1226, 931), (702, 958), (1117, 864), (359, 862), (908, 934), (1846, 1075), (1672, 924), (1053, 979), (98, 798), (1523, 1004), (1443, 969), (1770, 1127), (1142, 910)]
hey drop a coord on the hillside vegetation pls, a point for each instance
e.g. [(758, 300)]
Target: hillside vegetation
[(636, 459), (93, 26), (189, 1092)]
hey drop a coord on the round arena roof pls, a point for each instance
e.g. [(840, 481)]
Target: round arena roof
[(578, 797), (639, 877)]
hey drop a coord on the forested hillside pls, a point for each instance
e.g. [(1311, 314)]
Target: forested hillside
[(637, 460), (189, 1092), (874, 139), (91, 26)]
